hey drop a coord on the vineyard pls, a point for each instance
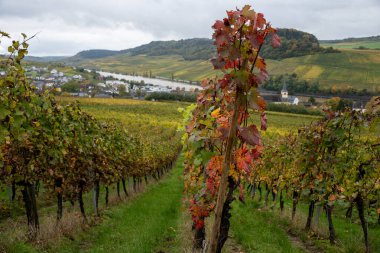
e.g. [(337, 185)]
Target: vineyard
[(56, 146), (328, 163), (222, 175)]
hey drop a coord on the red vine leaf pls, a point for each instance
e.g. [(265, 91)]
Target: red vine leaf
[(250, 135), (276, 41), (218, 25), (260, 63)]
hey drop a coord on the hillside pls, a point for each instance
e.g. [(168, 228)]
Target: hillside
[(94, 54), (189, 49), (299, 53), (164, 66), (372, 42), (294, 43), (45, 58), (359, 69)]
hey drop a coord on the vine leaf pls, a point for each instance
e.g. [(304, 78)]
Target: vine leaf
[(276, 41), (250, 135)]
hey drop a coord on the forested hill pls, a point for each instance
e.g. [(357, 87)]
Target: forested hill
[(189, 49), (294, 43), (96, 53)]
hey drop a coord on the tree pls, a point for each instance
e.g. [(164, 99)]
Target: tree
[(122, 89), (71, 86), (312, 100)]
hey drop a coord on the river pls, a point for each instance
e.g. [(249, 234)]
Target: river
[(147, 80)]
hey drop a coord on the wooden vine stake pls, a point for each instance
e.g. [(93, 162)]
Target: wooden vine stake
[(224, 179)]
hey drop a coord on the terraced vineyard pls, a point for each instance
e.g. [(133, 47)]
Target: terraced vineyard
[(163, 66), (350, 68), (355, 43)]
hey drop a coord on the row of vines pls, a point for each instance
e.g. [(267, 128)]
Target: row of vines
[(63, 148), (334, 161)]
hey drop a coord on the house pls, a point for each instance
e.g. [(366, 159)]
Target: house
[(77, 77), (64, 79), (79, 94), (114, 82), (358, 106), (38, 84), (53, 71), (158, 89)]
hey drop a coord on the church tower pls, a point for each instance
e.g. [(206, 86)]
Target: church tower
[(284, 91)]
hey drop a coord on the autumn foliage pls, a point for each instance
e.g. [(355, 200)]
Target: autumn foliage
[(63, 148), (218, 138)]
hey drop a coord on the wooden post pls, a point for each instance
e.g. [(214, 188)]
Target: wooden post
[(224, 178)]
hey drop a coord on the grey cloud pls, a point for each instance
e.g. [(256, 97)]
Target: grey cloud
[(131, 23)]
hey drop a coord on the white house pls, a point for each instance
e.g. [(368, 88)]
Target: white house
[(77, 77), (113, 82), (53, 71)]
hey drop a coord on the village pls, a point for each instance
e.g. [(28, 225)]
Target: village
[(79, 82)]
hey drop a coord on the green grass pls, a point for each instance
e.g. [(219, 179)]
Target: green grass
[(259, 231), (349, 234), (282, 123), (353, 45), (141, 225)]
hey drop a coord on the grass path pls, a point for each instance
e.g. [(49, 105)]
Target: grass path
[(158, 221), (141, 225), (258, 231)]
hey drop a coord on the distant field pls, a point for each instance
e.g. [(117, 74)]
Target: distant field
[(137, 114), (359, 69), (352, 45)]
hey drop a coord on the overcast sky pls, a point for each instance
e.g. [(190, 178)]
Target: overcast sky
[(66, 27)]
